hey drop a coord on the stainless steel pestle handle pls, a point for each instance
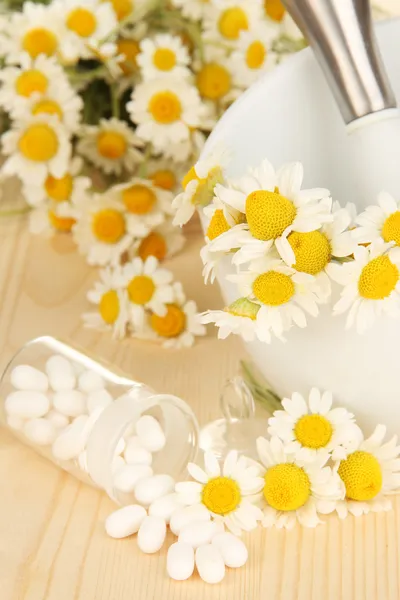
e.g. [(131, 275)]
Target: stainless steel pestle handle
[(342, 37)]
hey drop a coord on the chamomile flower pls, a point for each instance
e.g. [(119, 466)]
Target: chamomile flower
[(185, 151), (102, 231), (163, 241), (124, 8), (192, 9), (312, 428), (215, 82), (274, 205), (274, 10), (225, 19), (253, 54), (112, 304), (148, 287), (165, 174), (296, 490), (284, 295), (380, 222), (163, 56), (47, 219), (369, 472), (85, 22), (164, 111), (199, 183), (111, 146), (36, 148), (224, 492), (371, 285), (238, 318)]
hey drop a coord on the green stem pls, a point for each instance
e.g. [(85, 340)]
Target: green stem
[(15, 212), (260, 388), (115, 104), (142, 171)]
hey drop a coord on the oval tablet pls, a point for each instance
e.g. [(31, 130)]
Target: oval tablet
[(125, 521), (57, 419), (27, 405), (71, 403), (150, 433), (233, 550), (71, 442), (61, 373), (127, 476), (210, 564), (165, 507), (198, 533), (90, 381), (183, 516), (25, 377), (98, 399), (151, 534), (138, 456), (180, 561), (40, 431), (151, 488)]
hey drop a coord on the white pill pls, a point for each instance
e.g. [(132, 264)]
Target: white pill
[(57, 419), (99, 399), (61, 373), (180, 561), (27, 405), (117, 463), (198, 533), (150, 433), (138, 456), (71, 442), (25, 377), (165, 507), (126, 478), (151, 488), (90, 381), (233, 550), (151, 534), (183, 516), (40, 431), (125, 521), (210, 564), (71, 403), (16, 423)]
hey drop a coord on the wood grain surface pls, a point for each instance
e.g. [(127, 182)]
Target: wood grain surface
[(52, 541)]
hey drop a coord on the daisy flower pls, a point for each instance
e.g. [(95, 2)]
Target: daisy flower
[(163, 56), (284, 295), (224, 492), (185, 151), (296, 490), (124, 8), (199, 183), (215, 81), (112, 304), (164, 111), (102, 230), (274, 10), (238, 318), (163, 241), (253, 55), (380, 222), (368, 473), (148, 288), (48, 219), (312, 428), (225, 19), (274, 205), (371, 285), (36, 148), (192, 9), (111, 146), (165, 174)]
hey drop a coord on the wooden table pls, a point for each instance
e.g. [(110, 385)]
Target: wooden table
[(52, 541)]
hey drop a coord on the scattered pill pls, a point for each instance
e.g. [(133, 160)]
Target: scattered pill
[(27, 405), (71, 442), (151, 534), (125, 521), (183, 516), (126, 478), (210, 564), (98, 399), (138, 456), (165, 507), (61, 373), (149, 489), (90, 381), (16, 423), (40, 431), (198, 533), (25, 377), (71, 403), (57, 419), (180, 561), (233, 550), (150, 433)]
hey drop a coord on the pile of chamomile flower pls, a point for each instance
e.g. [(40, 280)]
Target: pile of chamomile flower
[(283, 247)]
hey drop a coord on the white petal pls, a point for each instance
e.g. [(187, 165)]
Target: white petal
[(211, 465), (230, 463)]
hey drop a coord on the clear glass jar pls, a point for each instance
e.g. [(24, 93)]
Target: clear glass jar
[(100, 432)]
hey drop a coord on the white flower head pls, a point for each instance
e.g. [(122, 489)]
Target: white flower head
[(163, 241), (295, 490), (238, 318), (225, 19), (111, 146), (192, 9), (165, 173), (47, 219), (371, 285), (216, 82), (379, 222), (225, 493), (253, 55), (164, 55)]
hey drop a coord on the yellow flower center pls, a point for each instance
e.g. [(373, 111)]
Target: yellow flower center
[(48, 107), (141, 289), (130, 49), (153, 245), (30, 82), (221, 495), (139, 199), (218, 225), (391, 228), (122, 8), (313, 431), (38, 143), (164, 59), (39, 41), (243, 308), (274, 9), (287, 487), (312, 251), (62, 224), (172, 325), (165, 107), (164, 179), (111, 144), (109, 307), (255, 55), (268, 214), (273, 288), (378, 279), (108, 226), (205, 189), (82, 22), (60, 189), (213, 81), (362, 475), (231, 22), (190, 175)]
